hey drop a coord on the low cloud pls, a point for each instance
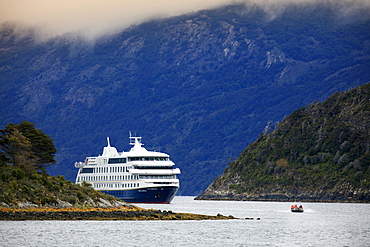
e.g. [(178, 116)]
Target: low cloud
[(93, 18)]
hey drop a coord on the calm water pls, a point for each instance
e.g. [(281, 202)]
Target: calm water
[(322, 224)]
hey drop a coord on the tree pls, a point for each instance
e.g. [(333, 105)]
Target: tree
[(23, 145)]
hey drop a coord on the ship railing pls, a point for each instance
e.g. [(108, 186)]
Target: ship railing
[(161, 180), (88, 161), (155, 171), (153, 162), (91, 161)]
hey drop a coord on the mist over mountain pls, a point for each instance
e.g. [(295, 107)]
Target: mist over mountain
[(92, 19), (200, 86)]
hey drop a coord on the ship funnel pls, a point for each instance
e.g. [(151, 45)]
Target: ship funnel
[(109, 151)]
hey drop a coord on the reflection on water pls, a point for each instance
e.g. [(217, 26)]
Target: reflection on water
[(322, 224)]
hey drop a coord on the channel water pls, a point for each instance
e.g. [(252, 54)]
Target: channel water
[(259, 224)]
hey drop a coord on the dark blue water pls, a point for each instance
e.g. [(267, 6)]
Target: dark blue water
[(322, 224)]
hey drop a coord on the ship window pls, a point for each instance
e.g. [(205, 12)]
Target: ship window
[(87, 170), (117, 160), (148, 158), (156, 176), (154, 167)]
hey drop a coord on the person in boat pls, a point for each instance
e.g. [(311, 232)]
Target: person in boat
[(300, 206)]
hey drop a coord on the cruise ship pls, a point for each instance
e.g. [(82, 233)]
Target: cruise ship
[(136, 176)]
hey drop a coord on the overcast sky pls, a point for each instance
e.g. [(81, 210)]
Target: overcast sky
[(92, 18)]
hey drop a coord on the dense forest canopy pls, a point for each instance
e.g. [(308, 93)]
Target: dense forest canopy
[(319, 152)]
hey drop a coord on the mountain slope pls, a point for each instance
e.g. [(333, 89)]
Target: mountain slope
[(200, 87), (319, 152)]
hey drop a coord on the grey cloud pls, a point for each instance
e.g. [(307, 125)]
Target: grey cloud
[(92, 18)]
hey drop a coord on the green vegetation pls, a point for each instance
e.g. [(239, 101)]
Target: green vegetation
[(24, 146), (321, 152), (24, 153), (20, 187)]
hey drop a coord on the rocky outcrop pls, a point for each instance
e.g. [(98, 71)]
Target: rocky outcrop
[(343, 195), (100, 203)]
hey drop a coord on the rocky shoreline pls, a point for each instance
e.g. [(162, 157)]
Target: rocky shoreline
[(120, 213), (282, 198)]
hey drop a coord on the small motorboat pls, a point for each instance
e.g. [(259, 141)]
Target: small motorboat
[(296, 209)]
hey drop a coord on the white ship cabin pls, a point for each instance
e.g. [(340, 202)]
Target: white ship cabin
[(121, 168)]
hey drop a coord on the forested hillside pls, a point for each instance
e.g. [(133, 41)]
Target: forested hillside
[(200, 87), (25, 152), (320, 152)]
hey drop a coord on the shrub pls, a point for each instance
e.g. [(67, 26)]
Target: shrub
[(33, 176), (18, 173), (26, 189), (13, 185)]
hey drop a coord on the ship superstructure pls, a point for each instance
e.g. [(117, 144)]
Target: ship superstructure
[(136, 176)]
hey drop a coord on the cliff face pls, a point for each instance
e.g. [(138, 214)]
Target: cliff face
[(318, 153), (200, 87)]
